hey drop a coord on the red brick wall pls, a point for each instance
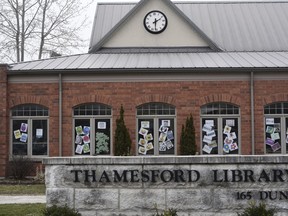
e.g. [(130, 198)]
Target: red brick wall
[(4, 150), (187, 97), (42, 94)]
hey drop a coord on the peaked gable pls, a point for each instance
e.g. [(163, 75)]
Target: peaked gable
[(130, 30)]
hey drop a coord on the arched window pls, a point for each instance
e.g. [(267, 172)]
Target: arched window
[(156, 129), (30, 130), (276, 128), (220, 128), (92, 129)]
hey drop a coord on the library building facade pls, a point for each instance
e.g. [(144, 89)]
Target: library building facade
[(225, 63)]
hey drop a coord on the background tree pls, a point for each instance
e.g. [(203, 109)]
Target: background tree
[(28, 28), (187, 139), (122, 137)]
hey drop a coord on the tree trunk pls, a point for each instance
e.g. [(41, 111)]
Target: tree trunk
[(23, 30), (42, 37), (17, 38)]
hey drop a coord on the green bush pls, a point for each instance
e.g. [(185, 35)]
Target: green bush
[(122, 140), (60, 211), (187, 139), (257, 210), (20, 166), (169, 212)]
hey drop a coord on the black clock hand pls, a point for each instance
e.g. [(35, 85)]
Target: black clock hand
[(158, 19), (155, 22)]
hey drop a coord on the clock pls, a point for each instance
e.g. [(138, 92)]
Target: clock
[(155, 22)]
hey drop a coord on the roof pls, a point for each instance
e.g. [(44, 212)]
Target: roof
[(250, 35), (232, 26), (145, 61)]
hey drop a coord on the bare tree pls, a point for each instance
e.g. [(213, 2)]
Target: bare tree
[(30, 27)]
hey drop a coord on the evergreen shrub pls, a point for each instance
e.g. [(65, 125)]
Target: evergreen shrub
[(257, 210), (60, 211), (122, 137), (187, 139)]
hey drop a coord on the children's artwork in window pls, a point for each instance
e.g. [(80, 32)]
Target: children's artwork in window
[(149, 137), (273, 135), (39, 137), (149, 146), (78, 139), (145, 124), (86, 148), (230, 136), (79, 130), (145, 137), (275, 147), (82, 136), (209, 139), (227, 129), (162, 147), (102, 143), (269, 129), (20, 142), (142, 150), (143, 131), (101, 125), (86, 139), (86, 130), (170, 135), (166, 136), (24, 137), (142, 142), (207, 149), (39, 133), (24, 127), (17, 134), (79, 149), (102, 137)]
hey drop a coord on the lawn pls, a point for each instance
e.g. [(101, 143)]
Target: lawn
[(33, 189), (21, 209)]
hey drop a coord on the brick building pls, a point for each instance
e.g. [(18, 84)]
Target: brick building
[(225, 63)]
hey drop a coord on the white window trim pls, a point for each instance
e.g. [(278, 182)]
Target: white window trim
[(29, 141), (283, 132), (220, 127), (156, 136), (92, 119)]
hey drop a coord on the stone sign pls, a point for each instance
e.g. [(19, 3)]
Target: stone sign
[(197, 185)]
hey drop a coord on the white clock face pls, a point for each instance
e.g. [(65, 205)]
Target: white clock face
[(155, 22)]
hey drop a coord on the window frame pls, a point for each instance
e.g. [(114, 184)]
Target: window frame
[(92, 119), (156, 118), (29, 120), (220, 126), (283, 116)]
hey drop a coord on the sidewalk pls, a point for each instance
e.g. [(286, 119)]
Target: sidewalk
[(22, 199)]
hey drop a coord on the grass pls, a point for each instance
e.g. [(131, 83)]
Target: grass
[(21, 209), (33, 189)]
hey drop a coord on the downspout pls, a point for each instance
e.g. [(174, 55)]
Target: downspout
[(252, 112), (60, 114)]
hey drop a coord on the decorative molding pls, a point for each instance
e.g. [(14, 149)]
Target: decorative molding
[(29, 100), (92, 99), (155, 98), (220, 98)]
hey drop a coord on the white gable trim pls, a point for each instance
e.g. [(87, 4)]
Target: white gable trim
[(198, 32)]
